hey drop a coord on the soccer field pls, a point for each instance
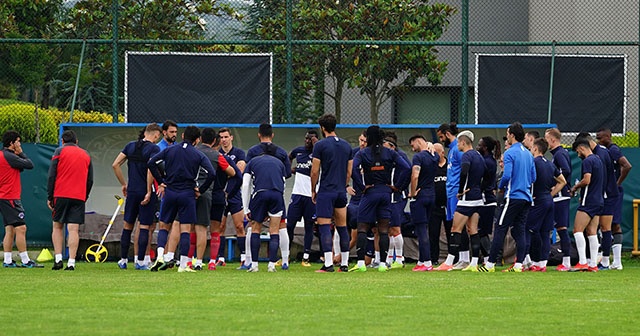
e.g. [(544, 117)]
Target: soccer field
[(100, 299)]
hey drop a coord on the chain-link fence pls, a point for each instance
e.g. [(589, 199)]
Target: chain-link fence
[(391, 61)]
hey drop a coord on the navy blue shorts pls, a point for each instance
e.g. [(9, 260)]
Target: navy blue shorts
[(352, 215), (374, 206), (617, 210), (487, 216), (452, 203), (234, 204), (540, 218), (301, 207), (397, 212), (609, 206), (591, 210), (421, 210), (326, 202), (266, 203), (178, 203), (561, 213), (218, 206), (144, 213), (468, 210)]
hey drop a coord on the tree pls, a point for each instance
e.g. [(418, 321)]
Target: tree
[(378, 70)]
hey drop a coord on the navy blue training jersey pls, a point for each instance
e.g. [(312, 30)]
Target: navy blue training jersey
[(428, 164), (138, 154), (616, 154), (562, 161), (472, 170), (302, 183), (267, 172), (490, 185), (358, 186), (546, 173), (377, 169), (610, 181), (235, 154), (401, 184), (592, 195), (334, 155), (273, 150), (182, 163)]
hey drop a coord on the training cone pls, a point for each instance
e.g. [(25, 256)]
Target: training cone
[(44, 256)]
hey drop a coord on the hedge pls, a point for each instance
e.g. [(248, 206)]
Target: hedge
[(21, 118)]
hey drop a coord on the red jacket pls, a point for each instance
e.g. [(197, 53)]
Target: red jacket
[(11, 165), (70, 174)]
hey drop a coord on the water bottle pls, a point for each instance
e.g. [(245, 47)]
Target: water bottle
[(577, 193)]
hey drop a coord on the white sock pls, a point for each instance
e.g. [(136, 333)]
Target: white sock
[(489, 265), (617, 254), (183, 261), (221, 259), (399, 246), (517, 265), (243, 257), (605, 261), (360, 263), (254, 264), (305, 256), (161, 253), (400, 259), (336, 243), (600, 255), (147, 260), (247, 247), (474, 261), (419, 263), (24, 257), (527, 259), (328, 259), (593, 249), (542, 263), (581, 246), (377, 256), (284, 245), (464, 256), (135, 259), (169, 256), (271, 265), (450, 259), (199, 262), (8, 257), (71, 262), (486, 259), (428, 263), (123, 261), (344, 258), (58, 257), (566, 261)]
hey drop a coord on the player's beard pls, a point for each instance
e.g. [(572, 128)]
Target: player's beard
[(447, 142)]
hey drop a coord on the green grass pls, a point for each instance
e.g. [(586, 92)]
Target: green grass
[(99, 299)]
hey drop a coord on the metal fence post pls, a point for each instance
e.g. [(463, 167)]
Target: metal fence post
[(114, 63), (289, 75), (464, 81)]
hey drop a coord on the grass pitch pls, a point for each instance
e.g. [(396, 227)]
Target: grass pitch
[(100, 299)]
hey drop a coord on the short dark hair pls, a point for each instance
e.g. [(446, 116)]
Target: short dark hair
[(492, 145), (224, 129), (69, 136), (517, 130), (168, 123), (328, 121), (450, 127), (375, 135), (265, 130), (313, 131), (417, 136), (581, 142), (209, 135), (191, 133), (584, 135), (8, 137), (541, 144), (606, 130), (535, 134)]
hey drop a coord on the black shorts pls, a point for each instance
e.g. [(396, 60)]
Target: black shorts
[(68, 210), (12, 212)]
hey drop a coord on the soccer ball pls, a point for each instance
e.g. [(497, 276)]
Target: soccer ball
[(96, 253)]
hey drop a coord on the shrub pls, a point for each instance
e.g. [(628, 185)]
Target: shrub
[(21, 118)]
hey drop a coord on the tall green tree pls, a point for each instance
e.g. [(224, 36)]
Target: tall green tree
[(377, 70)]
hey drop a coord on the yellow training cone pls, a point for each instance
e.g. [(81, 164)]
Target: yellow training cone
[(44, 256)]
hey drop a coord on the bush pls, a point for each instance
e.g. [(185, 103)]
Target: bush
[(630, 139), (21, 118)]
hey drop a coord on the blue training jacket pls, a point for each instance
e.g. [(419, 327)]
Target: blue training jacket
[(519, 173)]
